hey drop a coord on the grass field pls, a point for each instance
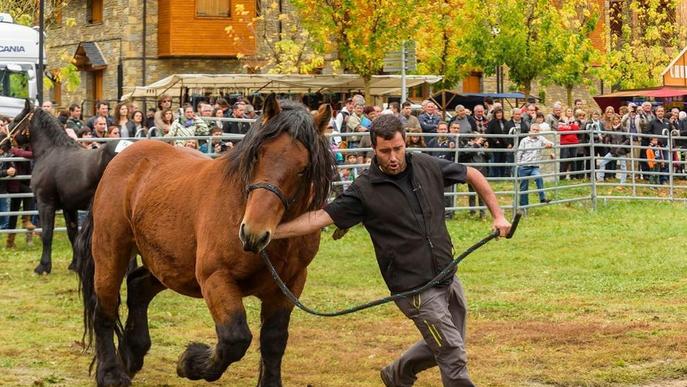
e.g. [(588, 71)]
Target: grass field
[(575, 299)]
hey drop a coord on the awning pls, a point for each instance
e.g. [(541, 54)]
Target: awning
[(88, 57), (619, 98), (278, 83)]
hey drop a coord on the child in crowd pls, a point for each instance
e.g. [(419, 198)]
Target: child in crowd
[(527, 157), (654, 160)]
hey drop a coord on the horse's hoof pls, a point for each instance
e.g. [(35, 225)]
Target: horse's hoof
[(194, 361), (113, 378), (43, 269)]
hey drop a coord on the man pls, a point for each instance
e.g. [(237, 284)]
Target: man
[(205, 110), (553, 118), (632, 124), (516, 125), (400, 201), (100, 127), (354, 125), (465, 121), (408, 120), (530, 116), (479, 119), (47, 107), (660, 128), (342, 118), (74, 121), (103, 110), (237, 127), (429, 120)]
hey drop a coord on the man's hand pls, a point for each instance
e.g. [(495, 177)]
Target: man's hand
[(502, 225)]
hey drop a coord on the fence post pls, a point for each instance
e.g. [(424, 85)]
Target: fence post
[(516, 185), (592, 168), (671, 170), (633, 139)]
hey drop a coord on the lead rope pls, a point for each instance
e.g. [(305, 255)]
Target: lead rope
[(435, 281)]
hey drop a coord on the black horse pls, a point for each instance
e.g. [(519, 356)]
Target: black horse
[(65, 175)]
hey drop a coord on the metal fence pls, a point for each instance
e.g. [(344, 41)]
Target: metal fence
[(602, 166)]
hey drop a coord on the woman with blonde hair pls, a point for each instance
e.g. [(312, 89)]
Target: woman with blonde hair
[(413, 141)]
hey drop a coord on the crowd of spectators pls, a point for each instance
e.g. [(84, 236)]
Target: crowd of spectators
[(488, 136)]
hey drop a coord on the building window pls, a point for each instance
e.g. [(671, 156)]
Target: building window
[(94, 11), (213, 8)]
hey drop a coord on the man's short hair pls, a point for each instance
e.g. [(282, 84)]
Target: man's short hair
[(386, 126), (98, 118), (557, 105), (406, 104), (459, 107), (101, 103), (237, 105), (73, 107)]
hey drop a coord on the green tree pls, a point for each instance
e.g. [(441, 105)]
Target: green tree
[(283, 45), (644, 36), (521, 34), (437, 35), (62, 68), (360, 32), (578, 18)]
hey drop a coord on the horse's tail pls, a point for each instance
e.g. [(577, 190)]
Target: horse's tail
[(86, 272)]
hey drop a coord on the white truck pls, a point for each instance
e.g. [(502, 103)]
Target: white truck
[(18, 62)]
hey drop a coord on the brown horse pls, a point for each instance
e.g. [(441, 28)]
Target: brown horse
[(197, 224)]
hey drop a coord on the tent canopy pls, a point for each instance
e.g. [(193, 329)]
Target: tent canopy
[(278, 83), (616, 99)]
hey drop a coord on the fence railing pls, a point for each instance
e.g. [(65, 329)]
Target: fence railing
[(603, 165)]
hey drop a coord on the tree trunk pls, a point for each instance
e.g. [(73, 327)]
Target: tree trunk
[(528, 88), (366, 80)]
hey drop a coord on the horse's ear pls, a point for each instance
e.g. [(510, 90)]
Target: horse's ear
[(28, 106), (270, 108), (323, 117)]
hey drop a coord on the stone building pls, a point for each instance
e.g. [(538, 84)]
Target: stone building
[(120, 44)]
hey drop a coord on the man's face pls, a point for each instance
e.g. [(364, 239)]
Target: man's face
[(556, 111), (188, 113), (578, 105), (431, 108), (442, 128), (647, 109), (103, 110), (534, 132), (349, 106), (391, 154), (100, 126), (532, 110), (517, 115), (674, 113), (76, 113), (358, 110), (47, 106), (239, 111), (479, 111), (406, 111), (461, 113), (660, 112), (206, 111)]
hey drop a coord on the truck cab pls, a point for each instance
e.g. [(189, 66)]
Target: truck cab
[(18, 62)]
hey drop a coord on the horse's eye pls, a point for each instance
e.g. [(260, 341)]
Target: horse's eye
[(302, 172)]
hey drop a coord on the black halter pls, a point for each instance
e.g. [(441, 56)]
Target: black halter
[(275, 190)]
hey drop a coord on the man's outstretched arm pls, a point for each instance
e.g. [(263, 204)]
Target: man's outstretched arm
[(303, 225)]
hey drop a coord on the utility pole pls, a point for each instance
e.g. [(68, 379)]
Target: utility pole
[(41, 34)]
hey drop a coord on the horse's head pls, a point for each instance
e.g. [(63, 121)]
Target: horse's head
[(19, 129), (286, 166)]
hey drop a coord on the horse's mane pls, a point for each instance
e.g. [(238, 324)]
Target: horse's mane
[(52, 129), (297, 121)]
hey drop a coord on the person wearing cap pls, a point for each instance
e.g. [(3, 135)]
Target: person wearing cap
[(400, 201)]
